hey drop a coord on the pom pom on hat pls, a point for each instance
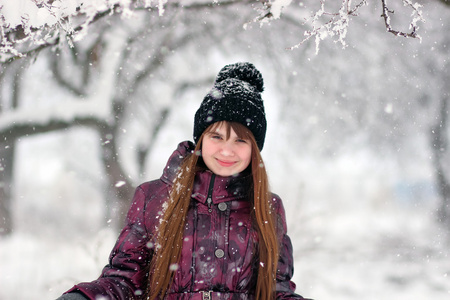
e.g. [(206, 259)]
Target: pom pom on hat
[(242, 71), (235, 97)]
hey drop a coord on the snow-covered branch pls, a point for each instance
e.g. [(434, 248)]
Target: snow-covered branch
[(30, 25), (27, 26), (330, 24), (335, 24), (416, 16)]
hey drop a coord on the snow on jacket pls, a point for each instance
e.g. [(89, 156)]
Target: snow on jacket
[(217, 261)]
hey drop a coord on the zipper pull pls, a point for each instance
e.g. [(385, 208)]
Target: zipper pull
[(209, 201), (210, 191)]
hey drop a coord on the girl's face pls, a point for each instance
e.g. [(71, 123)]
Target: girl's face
[(225, 157)]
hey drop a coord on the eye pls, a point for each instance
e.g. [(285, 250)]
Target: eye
[(216, 136), (241, 141)]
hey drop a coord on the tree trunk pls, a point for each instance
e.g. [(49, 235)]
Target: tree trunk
[(119, 189), (6, 178), (439, 143), (7, 148)]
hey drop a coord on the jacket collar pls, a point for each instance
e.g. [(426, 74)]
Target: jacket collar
[(223, 189), (175, 160)]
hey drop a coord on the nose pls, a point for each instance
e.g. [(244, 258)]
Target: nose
[(227, 149)]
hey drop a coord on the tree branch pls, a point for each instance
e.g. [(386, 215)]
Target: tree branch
[(9, 45), (416, 12), (18, 130), (59, 78), (337, 24)]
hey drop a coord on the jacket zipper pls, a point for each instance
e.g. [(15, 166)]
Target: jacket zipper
[(210, 191)]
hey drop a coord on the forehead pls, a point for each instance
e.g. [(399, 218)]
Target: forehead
[(220, 126), (223, 129), (230, 129)]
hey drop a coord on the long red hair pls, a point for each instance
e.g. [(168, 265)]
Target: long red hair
[(170, 232)]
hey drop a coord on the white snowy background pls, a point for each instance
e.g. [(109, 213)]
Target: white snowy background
[(362, 224)]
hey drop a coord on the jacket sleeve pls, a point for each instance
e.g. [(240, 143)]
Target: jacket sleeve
[(125, 277), (285, 287)]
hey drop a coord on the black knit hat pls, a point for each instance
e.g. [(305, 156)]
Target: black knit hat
[(235, 97)]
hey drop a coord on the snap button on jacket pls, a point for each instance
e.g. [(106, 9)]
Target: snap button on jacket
[(219, 253)]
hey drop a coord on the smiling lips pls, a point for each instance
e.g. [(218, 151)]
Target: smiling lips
[(225, 163)]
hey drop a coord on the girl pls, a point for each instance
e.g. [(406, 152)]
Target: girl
[(208, 228)]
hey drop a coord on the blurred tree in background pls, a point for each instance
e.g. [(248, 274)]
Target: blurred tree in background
[(120, 65)]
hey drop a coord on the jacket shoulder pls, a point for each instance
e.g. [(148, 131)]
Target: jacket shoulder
[(278, 208), (148, 202), (277, 202), (150, 187), (275, 197), (155, 193)]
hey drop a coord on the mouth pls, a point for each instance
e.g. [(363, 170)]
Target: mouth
[(225, 163)]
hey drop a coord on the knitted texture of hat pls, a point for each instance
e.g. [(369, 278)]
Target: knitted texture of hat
[(235, 97)]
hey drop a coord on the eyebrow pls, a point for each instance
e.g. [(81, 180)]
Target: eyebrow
[(215, 133)]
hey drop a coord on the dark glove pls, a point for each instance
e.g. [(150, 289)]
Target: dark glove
[(73, 296)]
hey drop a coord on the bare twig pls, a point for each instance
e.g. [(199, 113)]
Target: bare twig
[(417, 16)]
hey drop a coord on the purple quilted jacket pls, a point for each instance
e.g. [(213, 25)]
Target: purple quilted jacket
[(217, 259)]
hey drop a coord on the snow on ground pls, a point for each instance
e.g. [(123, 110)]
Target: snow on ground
[(405, 260)]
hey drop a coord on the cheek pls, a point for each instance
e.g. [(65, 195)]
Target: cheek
[(205, 147), (207, 150), (247, 156)]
